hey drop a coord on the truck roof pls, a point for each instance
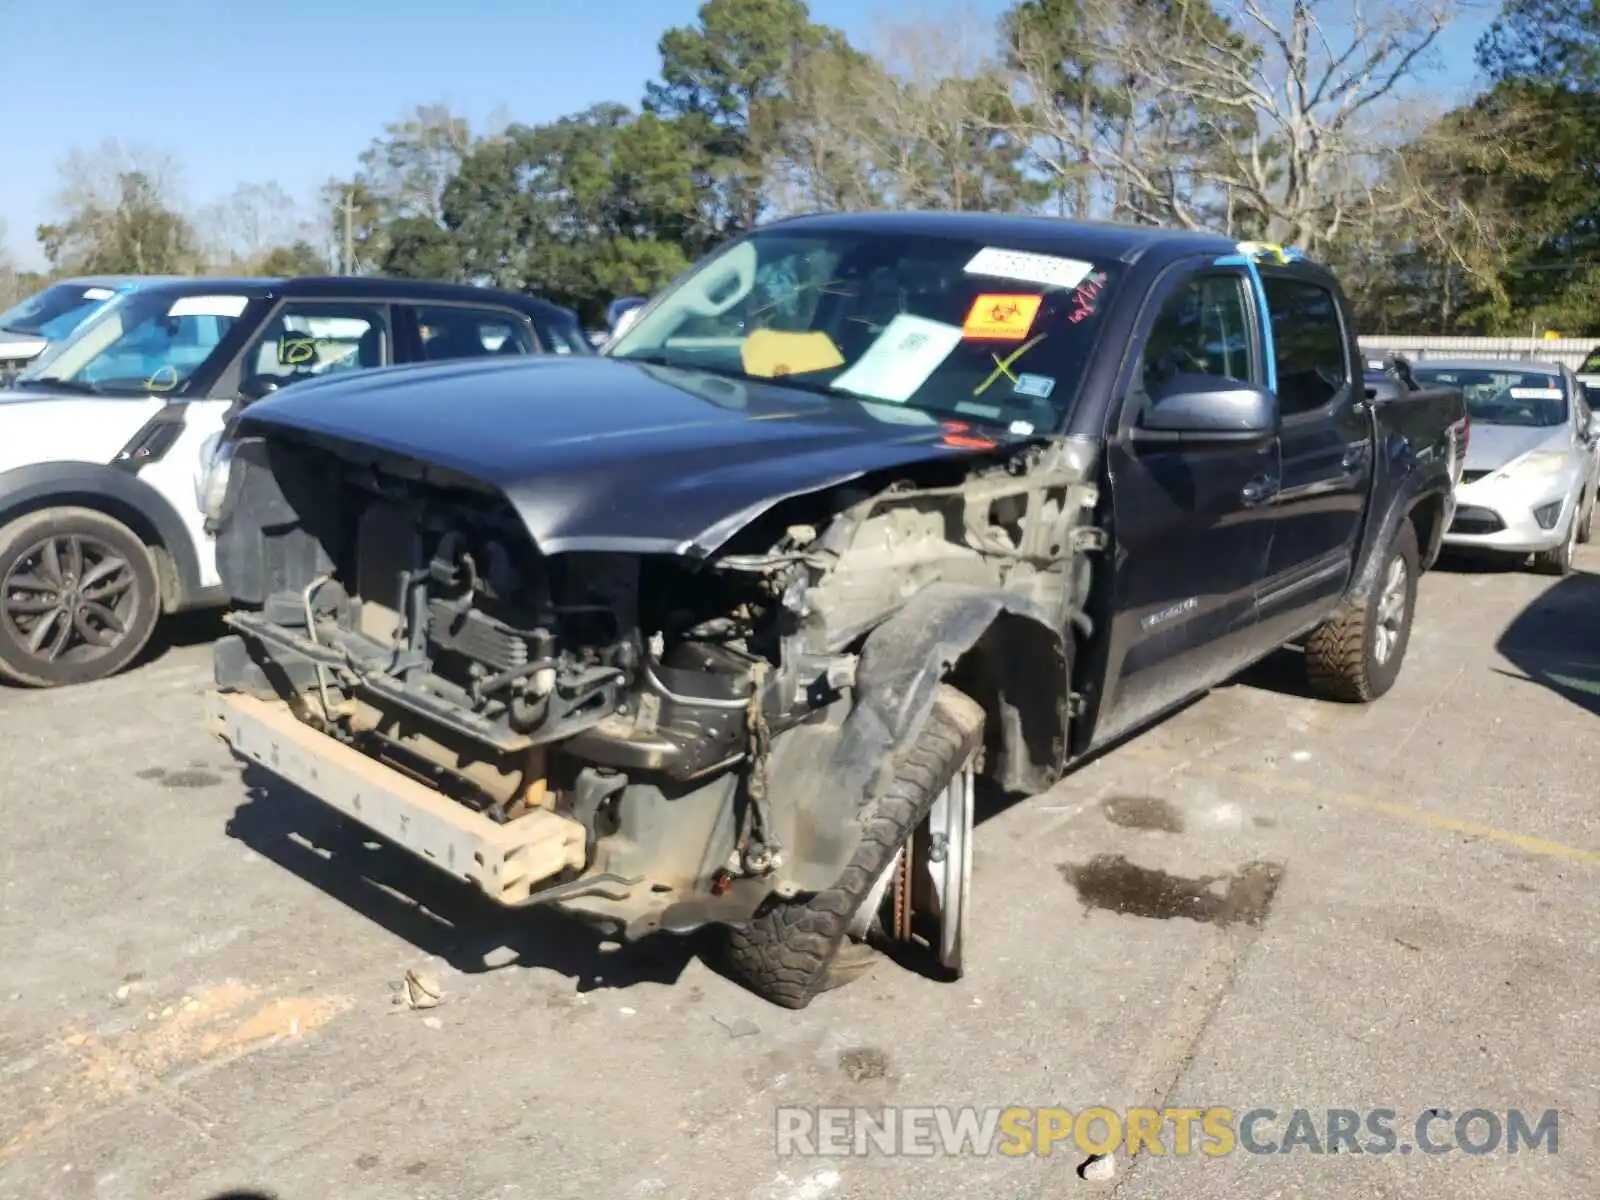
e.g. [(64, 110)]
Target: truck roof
[(1101, 239)]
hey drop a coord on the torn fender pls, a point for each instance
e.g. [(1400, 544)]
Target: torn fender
[(1021, 675)]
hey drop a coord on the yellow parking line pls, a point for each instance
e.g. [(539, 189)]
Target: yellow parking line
[(1154, 756), (1415, 816)]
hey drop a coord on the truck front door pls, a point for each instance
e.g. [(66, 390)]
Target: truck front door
[(1327, 452), (1190, 524)]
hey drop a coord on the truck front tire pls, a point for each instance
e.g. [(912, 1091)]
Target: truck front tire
[(78, 597), (1355, 655), (790, 953)]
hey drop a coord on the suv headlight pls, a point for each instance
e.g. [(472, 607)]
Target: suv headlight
[(1536, 464), (211, 488)]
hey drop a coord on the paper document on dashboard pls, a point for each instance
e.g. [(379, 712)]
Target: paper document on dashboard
[(907, 351)]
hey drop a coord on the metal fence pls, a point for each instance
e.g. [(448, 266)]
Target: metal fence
[(1571, 351)]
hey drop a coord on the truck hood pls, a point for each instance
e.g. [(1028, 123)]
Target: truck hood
[(602, 454), (1493, 446)]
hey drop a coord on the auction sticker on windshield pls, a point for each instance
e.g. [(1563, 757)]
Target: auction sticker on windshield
[(907, 351), (1023, 267), (1001, 318), (1527, 393), (98, 293), (208, 306)]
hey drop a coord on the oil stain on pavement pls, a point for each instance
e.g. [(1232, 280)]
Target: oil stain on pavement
[(1143, 812), (1111, 882), (180, 779)]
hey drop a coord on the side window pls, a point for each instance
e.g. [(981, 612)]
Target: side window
[(564, 337), (309, 339), (449, 332), (1202, 329), (1308, 343)]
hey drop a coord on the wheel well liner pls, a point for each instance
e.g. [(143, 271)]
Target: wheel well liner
[(1014, 657), (124, 498), (1413, 495)]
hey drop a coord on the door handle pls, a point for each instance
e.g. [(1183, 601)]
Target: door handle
[(1258, 491)]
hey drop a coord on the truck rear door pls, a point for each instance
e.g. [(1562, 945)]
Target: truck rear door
[(1190, 522), (1326, 447)]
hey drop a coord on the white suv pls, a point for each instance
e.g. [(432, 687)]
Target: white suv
[(104, 439)]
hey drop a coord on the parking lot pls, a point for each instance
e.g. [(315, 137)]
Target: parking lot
[(1264, 902)]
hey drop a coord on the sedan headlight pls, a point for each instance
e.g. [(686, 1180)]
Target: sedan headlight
[(1537, 464)]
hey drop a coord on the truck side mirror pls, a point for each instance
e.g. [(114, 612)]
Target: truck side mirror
[(1208, 409)]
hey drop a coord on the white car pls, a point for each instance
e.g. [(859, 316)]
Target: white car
[(48, 317), (1533, 459), (106, 439)]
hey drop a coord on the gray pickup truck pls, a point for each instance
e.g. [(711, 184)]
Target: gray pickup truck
[(720, 630)]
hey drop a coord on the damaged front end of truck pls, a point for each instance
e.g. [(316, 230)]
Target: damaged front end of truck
[(664, 741)]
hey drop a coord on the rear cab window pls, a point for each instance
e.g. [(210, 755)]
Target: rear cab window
[(1309, 345), (458, 331)]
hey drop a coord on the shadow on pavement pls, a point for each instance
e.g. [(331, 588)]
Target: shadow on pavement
[(429, 909), (1283, 671), (194, 628), (1555, 641)]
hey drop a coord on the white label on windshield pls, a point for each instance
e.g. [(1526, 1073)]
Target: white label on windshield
[(900, 361), (208, 306), (1044, 269), (1522, 393), (98, 293)]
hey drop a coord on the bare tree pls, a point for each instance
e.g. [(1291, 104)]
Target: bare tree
[(253, 220), (408, 167), (1269, 117), (119, 210), (925, 122)]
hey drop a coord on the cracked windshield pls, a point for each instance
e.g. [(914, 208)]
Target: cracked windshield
[(941, 327)]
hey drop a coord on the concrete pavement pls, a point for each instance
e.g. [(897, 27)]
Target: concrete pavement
[(1264, 902)]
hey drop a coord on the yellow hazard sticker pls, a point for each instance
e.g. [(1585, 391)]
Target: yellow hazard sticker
[(1001, 318)]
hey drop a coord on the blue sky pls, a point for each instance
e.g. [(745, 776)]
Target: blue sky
[(293, 91)]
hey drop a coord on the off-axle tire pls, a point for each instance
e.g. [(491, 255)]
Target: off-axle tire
[(1355, 655), (791, 952)]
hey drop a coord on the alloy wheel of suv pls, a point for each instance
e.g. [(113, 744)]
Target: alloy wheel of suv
[(78, 597)]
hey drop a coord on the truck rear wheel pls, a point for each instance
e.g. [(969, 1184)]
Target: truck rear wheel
[(78, 597), (1355, 655), (791, 952)]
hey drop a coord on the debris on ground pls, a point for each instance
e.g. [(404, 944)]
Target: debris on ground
[(739, 1026), (420, 990), (1098, 1168), (433, 1022)]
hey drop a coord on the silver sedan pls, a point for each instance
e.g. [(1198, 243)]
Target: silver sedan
[(1533, 459)]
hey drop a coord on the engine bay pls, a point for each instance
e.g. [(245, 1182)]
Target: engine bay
[(641, 696)]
